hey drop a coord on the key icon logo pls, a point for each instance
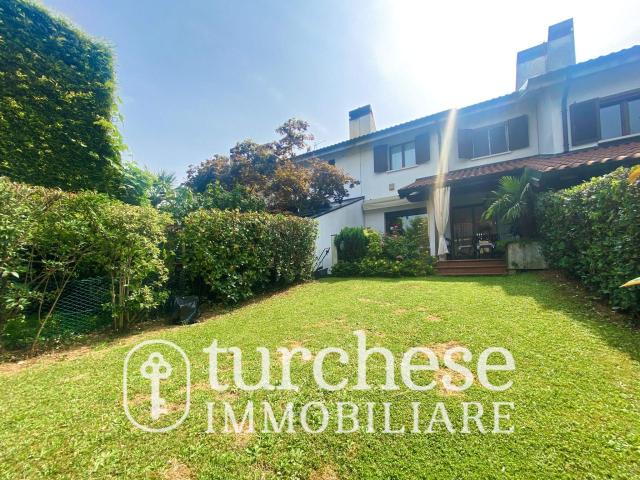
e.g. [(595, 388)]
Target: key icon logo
[(147, 362), (156, 368)]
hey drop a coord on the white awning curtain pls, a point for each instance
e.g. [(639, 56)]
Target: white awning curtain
[(441, 216)]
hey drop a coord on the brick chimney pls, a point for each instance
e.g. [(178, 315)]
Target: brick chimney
[(557, 52), (361, 122)]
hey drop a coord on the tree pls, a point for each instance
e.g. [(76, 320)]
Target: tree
[(270, 171), (207, 172), (161, 190), (136, 184), (513, 202)]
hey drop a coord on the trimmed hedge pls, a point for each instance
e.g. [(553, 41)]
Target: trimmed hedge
[(57, 102), (592, 231), (237, 255)]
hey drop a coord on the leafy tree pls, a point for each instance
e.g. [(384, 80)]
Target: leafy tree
[(207, 172), (136, 184), (513, 203), (270, 171), (238, 198)]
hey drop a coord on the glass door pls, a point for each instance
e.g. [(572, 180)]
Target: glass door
[(473, 237)]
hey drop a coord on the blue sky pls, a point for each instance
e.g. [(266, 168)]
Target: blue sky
[(195, 76)]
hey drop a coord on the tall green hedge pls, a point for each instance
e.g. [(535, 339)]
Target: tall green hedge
[(592, 231), (237, 255), (56, 103)]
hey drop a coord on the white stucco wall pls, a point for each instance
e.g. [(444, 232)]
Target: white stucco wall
[(331, 223)]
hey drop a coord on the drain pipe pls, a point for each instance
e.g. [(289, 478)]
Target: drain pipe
[(565, 121)]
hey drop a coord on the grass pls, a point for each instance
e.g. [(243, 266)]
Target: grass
[(576, 390)]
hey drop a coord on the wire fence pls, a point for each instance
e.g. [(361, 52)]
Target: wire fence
[(81, 308)]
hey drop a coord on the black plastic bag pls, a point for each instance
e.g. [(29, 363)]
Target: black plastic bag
[(184, 310)]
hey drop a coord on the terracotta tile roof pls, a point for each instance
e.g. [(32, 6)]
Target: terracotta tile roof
[(540, 163)]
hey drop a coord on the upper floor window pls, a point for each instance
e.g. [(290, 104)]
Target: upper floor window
[(494, 139), (402, 156), (605, 118)]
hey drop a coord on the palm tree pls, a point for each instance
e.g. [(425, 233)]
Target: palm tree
[(161, 189), (512, 203)]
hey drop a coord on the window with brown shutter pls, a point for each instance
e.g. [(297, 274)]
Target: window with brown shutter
[(518, 132), (380, 162), (585, 127), (422, 148)]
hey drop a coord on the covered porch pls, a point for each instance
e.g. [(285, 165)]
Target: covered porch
[(467, 234)]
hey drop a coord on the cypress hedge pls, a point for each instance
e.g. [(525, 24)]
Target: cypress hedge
[(592, 231), (57, 103)]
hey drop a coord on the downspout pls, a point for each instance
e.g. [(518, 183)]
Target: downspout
[(565, 120)]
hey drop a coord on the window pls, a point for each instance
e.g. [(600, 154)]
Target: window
[(399, 221), (494, 139), (498, 139), (402, 156), (634, 116), (611, 121), (481, 142), (605, 118), (490, 140)]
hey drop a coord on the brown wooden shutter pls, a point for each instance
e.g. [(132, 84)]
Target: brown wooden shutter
[(380, 162), (518, 132), (585, 122), (422, 148), (465, 143)]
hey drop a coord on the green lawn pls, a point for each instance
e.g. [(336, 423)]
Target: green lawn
[(576, 390)]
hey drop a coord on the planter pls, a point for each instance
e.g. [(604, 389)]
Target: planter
[(525, 255)]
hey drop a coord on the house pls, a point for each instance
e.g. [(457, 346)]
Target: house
[(567, 121)]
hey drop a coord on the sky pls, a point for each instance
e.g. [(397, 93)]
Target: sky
[(196, 76)]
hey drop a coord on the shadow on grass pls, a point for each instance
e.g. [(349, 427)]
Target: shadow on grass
[(552, 292)]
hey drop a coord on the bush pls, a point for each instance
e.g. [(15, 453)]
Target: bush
[(383, 267), (592, 232), (237, 255), (351, 244), (394, 255), (58, 99), (51, 237)]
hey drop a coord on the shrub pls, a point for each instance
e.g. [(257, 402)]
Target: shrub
[(58, 99), (237, 255), (383, 267), (351, 244), (51, 237), (592, 232), (395, 255)]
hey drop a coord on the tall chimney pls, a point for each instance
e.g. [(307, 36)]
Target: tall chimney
[(561, 46), (557, 52), (361, 122)]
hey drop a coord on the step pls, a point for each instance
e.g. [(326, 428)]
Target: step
[(472, 267)]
